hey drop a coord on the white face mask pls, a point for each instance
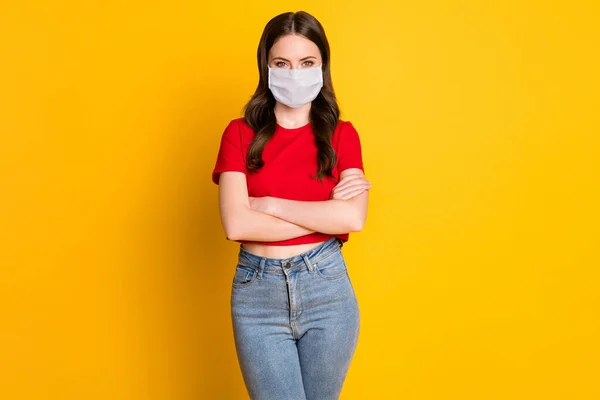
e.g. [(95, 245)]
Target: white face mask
[(295, 87)]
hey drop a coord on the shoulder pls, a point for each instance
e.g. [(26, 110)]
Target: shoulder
[(237, 124), (343, 131), (245, 129), (239, 128), (343, 127)]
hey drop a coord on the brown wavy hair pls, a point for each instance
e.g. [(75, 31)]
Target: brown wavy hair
[(259, 112)]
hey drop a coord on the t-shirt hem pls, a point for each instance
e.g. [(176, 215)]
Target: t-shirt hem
[(292, 242)]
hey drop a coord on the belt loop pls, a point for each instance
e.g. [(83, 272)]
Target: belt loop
[(261, 267), (311, 267), (340, 242)]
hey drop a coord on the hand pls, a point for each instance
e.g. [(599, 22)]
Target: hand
[(261, 204), (350, 186)]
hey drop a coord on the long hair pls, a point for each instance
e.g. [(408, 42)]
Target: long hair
[(259, 112)]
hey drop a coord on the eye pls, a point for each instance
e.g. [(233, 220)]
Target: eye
[(279, 62), (310, 63)]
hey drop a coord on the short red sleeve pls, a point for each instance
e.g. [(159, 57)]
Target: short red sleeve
[(230, 156), (349, 154)]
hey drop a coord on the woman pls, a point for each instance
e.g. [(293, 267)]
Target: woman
[(291, 188)]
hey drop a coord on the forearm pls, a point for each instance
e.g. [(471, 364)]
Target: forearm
[(241, 222), (329, 216), (257, 226)]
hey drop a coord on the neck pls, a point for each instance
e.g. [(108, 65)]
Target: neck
[(292, 117)]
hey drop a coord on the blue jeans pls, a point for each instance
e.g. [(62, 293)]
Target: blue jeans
[(295, 322)]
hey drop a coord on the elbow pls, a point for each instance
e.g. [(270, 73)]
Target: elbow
[(237, 225), (231, 236), (355, 227), (235, 234), (357, 223), (233, 224), (233, 230), (357, 212)]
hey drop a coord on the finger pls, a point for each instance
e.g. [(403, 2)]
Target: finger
[(350, 183), (349, 194), (344, 191), (351, 177), (348, 178), (354, 185), (356, 192)]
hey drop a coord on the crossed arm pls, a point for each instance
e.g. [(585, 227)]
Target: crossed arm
[(273, 219)]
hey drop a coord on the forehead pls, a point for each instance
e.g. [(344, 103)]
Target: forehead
[(294, 47)]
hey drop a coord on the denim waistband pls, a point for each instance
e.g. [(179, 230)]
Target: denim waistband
[(277, 264)]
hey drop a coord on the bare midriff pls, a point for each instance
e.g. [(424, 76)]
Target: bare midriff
[(279, 251)]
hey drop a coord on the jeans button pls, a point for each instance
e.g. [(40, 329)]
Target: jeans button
[(287, 265)]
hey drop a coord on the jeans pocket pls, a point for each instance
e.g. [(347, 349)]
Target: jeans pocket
[(244, 276), (332, 266)]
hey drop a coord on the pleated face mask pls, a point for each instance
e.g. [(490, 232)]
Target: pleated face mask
[(295, 87)]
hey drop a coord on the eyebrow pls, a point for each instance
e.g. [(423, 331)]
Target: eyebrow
[(302, 59)]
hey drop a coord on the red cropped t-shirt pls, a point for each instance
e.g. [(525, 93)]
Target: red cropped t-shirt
[(290, 158)]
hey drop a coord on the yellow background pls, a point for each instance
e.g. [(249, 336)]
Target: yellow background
[(477, 271)]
